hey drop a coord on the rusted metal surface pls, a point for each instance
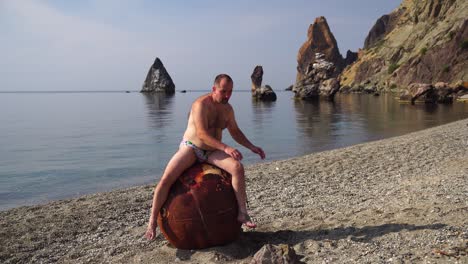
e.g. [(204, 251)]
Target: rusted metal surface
[(201, 209)]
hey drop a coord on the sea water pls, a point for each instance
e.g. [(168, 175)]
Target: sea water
[(59, 145)]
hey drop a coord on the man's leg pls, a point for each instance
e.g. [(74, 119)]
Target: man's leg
[(181, 160), (236, 169)]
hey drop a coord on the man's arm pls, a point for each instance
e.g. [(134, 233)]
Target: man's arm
[(236, 133), (239, 136)]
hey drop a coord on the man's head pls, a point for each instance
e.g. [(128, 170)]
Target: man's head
[(222, 88)]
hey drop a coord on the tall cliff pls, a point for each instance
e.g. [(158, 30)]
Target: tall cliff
[(422, 41)]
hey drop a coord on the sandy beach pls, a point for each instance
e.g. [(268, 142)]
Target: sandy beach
[(402, 199)]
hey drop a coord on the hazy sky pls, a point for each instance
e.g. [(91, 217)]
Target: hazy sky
[(66, 45)]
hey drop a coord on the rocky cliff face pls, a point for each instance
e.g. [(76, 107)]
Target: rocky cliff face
[(422, 41)]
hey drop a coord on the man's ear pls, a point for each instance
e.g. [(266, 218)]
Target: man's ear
[(213, 88)]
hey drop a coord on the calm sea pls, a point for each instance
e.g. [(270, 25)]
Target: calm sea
[(61, 145)]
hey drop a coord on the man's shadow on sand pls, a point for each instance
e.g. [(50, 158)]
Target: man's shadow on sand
[(250, 242)]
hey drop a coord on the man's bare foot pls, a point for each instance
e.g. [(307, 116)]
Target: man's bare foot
[(245, 219)]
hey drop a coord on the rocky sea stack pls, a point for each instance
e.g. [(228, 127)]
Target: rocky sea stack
[(158, 79), (319, 81), (259, 92), (319, 40), (318, 63), (420, 42)]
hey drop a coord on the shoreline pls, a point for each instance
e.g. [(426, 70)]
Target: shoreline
[(403, 198)]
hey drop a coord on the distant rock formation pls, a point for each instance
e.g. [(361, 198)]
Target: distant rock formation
[(264, 93), (256, 77), (319, 81), (319, 40), (259, 92), (423, 42), (319, 63), (158, 80)]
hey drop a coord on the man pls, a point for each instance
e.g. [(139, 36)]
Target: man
[(210, 114)]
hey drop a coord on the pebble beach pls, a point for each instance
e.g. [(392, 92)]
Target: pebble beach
[(398, 200)]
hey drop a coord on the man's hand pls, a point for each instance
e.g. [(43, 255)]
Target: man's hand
[(259, 151), (234, 153), (151, 231)]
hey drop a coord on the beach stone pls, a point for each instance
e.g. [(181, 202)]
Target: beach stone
[(272, 254), (419, 92), (440, 92), (444, 93), (201, 209), (158, 79), (463, 98)]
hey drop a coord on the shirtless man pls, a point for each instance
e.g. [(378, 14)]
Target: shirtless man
[(210, 114)]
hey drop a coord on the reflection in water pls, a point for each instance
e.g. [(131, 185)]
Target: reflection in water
[(318, 123), (359, 118), (385, 117), (261, 111), (160, 109)]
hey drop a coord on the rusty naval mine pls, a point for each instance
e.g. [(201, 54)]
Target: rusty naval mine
[(201, 209)]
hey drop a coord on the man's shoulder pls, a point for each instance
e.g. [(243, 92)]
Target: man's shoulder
[(202, 101)]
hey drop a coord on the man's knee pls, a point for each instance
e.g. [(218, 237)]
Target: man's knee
[(237, 168)]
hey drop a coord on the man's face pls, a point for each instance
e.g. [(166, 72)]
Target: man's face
[(223, 91)]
